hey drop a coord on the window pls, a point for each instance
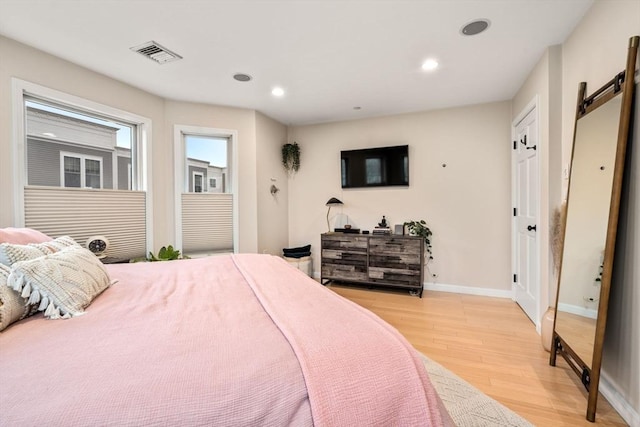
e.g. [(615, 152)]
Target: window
[(206, 218), (102, 148), (80, 171), (73, 156)]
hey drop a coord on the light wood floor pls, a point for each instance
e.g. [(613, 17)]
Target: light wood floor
[(490, 343)]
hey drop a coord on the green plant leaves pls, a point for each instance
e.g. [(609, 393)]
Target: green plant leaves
[(166, 253), (291, 157)]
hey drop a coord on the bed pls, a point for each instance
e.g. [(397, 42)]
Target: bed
[(233, 340)]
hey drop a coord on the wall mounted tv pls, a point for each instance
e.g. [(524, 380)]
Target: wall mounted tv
[(375, 167)]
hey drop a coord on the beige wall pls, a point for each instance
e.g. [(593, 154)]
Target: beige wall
[(46, 70), (466, 204), (594, 53), (273, 231)]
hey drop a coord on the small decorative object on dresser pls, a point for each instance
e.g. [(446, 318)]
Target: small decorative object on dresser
[(98, 245), (375, 260)]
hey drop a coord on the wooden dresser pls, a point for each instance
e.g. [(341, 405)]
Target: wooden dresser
[(375, 260)]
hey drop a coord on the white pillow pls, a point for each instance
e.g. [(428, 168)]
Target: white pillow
[(12, 306), (63, 283), (10, 253)]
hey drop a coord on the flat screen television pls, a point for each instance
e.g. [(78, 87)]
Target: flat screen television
[(375, 167)]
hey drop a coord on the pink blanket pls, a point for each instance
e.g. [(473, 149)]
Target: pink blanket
[(230, 340)]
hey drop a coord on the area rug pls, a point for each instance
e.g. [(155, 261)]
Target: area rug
[(467, 405)]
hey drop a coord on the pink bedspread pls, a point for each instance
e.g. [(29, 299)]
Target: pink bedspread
[(239, 340)]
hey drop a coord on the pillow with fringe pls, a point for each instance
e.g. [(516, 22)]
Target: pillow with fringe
[(12, 306), (22, 236), (63, 284), (12, 253)]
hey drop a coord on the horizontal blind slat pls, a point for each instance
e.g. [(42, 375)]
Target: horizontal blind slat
[(120, 216), (207, 222)]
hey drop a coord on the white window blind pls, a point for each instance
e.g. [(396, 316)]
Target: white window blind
[(82, 213), (207, 222)]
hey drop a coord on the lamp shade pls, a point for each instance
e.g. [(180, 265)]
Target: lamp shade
[(333, 201)]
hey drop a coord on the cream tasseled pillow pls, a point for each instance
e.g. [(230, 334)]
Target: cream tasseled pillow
[(63, 283), (55, 245), (10, 253), (12, 306)]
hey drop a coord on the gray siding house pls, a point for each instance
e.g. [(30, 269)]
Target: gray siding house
[(64, 151)]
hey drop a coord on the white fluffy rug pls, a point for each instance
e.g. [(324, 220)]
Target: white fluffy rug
[(467, 405)]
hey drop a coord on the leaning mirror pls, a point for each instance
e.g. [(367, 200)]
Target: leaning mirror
[(593, 200)]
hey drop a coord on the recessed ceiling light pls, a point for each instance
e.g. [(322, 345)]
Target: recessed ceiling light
[(49, 134), (475, 27), (277, 91), (429, 65), (241, 77)]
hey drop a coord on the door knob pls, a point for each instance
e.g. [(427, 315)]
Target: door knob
[(531, 227)]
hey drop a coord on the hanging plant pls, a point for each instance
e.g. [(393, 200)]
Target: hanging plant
[(291, 157)]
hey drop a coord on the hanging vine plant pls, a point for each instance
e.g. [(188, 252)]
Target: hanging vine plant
[(291, 157)]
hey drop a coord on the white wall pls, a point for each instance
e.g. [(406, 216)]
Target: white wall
[(466, 204), (594, 53), (273, 231)]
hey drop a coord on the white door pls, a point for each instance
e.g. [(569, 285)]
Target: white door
[(525, 212)]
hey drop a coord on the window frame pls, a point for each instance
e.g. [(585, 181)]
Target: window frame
[(83, 169), (181, 172), (21, 89)]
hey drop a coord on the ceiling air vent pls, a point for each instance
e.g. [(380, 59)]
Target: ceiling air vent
[(155, 52)]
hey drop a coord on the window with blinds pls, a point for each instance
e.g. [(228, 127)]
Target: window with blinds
[(207, 222), (84, 176), (206, 203), (81, 213)]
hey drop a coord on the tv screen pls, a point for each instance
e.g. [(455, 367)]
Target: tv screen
[(375, 167)]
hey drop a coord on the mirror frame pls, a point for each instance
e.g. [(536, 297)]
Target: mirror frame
[(622, 82)]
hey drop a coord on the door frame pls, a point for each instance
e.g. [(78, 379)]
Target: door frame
[(542, 299)]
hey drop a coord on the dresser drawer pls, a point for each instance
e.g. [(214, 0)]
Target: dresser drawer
[(344, 272), (395, 245), (340, 241)]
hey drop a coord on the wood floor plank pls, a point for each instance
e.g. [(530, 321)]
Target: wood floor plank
[(490, 343)]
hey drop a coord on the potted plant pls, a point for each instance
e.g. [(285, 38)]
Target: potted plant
[(291, 157), (166, 253), (419, 228)]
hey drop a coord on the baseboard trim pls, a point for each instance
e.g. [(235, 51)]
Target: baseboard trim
[(458, 289), (469, 290), (580, 311), (617, 401)]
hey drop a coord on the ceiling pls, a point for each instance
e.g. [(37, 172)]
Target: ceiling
[(328, 56)]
